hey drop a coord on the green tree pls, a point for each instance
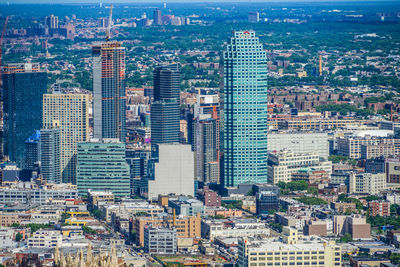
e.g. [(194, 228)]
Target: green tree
[(312, 191), (97, 213), (312, 200), (18, 237), (395, 258), (346, 238), (88, 230)]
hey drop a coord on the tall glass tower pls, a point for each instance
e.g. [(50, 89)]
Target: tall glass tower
[(23, 87), (109, 95), (245, 110), (165, 125)]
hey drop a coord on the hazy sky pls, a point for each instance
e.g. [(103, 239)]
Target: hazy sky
[(170, 1)]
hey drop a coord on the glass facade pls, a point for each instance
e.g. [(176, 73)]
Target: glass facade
[(109, 94), (245, 110), (50, 151), (165, 125), (102, 166), (22, 84)]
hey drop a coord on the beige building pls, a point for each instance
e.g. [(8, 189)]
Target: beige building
[(354, 225), (313, 124), (282, 164), (103, 197), (8, 219), (70, 113), (375, 151), (351, 146), (295, 250), (186, 226), (367, 183)]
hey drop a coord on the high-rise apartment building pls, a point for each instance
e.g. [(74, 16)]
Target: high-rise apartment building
[(205, 147), (102, 166), (69, 112), (109, 95), (165, 124), (157, 17), (51, 22), (50, 151), (23, 89), (245, 110)]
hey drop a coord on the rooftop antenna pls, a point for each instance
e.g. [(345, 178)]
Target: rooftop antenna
[(165, 3), (100, 4), (108, 30)]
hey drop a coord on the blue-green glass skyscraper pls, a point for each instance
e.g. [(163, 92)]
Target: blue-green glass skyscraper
[(102, 166), (245, 110)]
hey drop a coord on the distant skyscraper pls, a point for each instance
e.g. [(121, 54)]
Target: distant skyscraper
[(50, 150), (32, 150), (109, 96), (157, 17), (245, 110), (165, 124), (102, 166), (51, 22), (70, 113), (23, 89), (253, 17)]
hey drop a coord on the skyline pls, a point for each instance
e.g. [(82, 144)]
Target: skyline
[(180, 1)]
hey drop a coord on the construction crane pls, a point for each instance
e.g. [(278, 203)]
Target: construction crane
[(108, 30)]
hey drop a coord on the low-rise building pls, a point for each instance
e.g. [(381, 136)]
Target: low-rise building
[(393, 198), (186, 207), (233, 228), (189, 226), (299, 142), (344, 207), (367, 183), (8, 219), (210, 198), (25, 192), (267, 200), (378, 150), (381, 208), (45, 239), (350, 146), (103, 197), (223, 212), (366, 261), (160, 240), (282, 164), (304, 252)]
